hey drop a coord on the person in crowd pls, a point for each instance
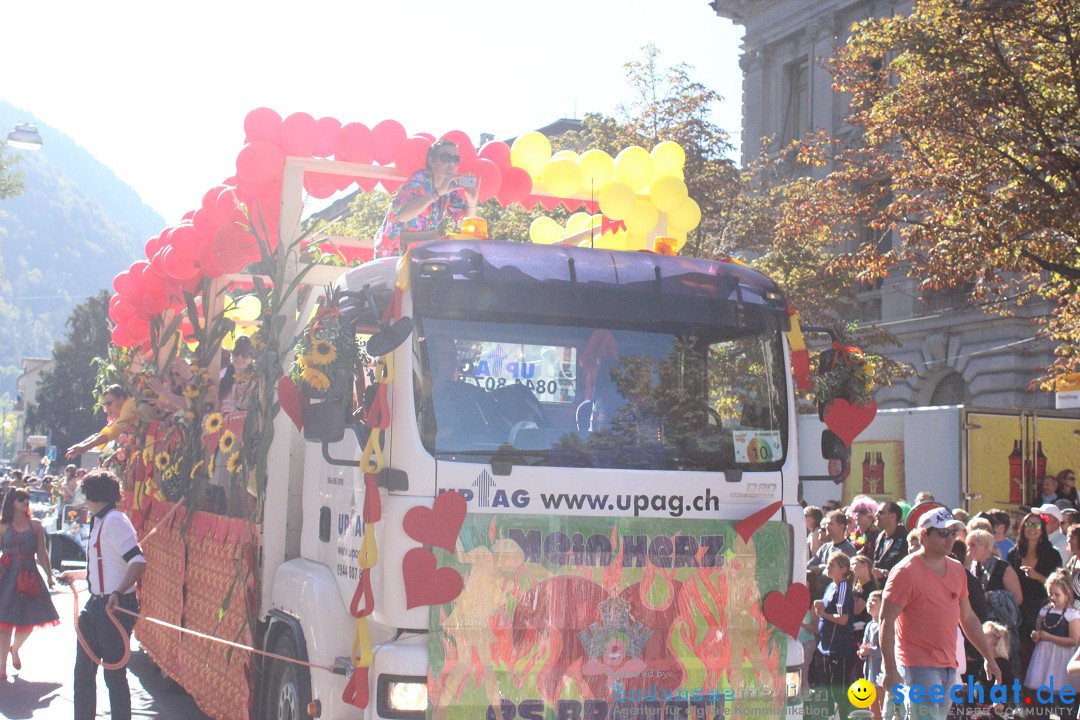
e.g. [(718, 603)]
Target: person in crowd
[(169, 390), (870, 651), (829, 505), (914, 542), (1056, 637), (977, 599), (862, 569), (24, 598), (1000, 640), (924, 497), (70, 486), (925, 598), (815, 535), (1066, 488), (1001, 521), (122, 413), (115, 563), (836, 526), (995, 573), (427, 198), (1033, 559), (863, 511), (236, 387), (835, 612), (808, 630), (980, 522), (1072, 567), (891, 545), (961, 515), (1051, 514), (1047, 490)]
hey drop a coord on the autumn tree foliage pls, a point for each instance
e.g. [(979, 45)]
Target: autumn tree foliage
[(969, 117)]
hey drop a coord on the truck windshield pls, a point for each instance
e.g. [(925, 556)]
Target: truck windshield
[(694, 398)]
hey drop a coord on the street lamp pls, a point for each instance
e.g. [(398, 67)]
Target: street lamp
[(25, 137)]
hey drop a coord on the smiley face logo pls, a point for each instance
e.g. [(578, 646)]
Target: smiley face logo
[(861, 693)]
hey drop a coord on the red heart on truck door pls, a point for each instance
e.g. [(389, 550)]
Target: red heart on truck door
[(438, 526), (424, 583), (787, 611), (847, 420)]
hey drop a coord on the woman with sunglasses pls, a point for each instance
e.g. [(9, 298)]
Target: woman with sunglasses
[(428, 198), (1033, 559), (24, 605), (122, 413)]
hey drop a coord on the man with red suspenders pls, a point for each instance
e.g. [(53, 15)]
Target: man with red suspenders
[(114, 564)]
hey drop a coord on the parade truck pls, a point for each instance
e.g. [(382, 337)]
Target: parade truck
[(967, 457), (492, 479)]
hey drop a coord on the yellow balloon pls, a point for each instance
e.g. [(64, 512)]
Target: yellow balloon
[(634, 167), (642, 218), (616, 200), (545, 231), (667, 158), (635, 241), (667, 193), (531, 151), (565, 155), (562, 178), (577, 222), (611, 241), (596, 170), (686, 217)]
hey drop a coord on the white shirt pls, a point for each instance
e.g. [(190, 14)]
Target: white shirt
[(1061, 544), (119, 549)]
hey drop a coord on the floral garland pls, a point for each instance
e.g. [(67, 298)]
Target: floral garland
[(846, 373), (326, 353)]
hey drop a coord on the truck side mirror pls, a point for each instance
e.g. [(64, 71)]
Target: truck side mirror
[(832, 447), (325, 421), (389, 338)]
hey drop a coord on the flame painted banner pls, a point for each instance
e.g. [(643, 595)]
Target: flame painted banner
[(587, 619)]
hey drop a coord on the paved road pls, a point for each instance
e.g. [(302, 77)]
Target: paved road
[(43, 689)]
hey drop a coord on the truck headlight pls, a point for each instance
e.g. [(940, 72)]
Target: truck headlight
[(402, 697), (793, 685)]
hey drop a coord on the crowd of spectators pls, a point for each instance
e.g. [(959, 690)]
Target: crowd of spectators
[(1022, 588)]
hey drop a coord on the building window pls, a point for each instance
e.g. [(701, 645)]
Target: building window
[(796, 100), (950, 390)]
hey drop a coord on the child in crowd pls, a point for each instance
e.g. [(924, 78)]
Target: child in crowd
[(1056, 636), (997, 635), (870, 651), (835, 613)]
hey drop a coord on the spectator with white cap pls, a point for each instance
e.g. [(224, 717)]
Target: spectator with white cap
[(1052, 515)]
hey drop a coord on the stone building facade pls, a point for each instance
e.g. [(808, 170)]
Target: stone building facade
[(962, 353)]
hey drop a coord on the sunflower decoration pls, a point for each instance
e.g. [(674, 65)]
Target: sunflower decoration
[(234, 463), (212, 423), (227, 442), (161, 461), (326, 352), (196, 468)]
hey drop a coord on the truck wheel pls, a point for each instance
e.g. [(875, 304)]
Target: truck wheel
[(288, 690)]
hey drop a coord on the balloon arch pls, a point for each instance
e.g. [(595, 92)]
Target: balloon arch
[(631, 199)]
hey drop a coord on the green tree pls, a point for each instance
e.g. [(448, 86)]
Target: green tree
[(11, 181), (969, 112), (66, 404)]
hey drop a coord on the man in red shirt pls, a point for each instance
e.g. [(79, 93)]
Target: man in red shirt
[(925, 599)]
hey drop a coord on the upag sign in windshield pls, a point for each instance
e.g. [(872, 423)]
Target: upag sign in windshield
[(607, 618)]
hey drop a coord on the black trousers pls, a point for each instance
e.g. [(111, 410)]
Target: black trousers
[(108, 644), (829, 676)]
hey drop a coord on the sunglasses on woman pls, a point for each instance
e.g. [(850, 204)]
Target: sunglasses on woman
[(1032, 524), (449, 158)]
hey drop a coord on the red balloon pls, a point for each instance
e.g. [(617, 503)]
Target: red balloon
[(209, 263), (385, 138), (516, 185), (411, 155), (122, 283), (120, 309), (152, 246), (192, 283), (136, 271), (490, 177), (497, 152), (259, 163), (235, 239), (187, 216), (178, 266), (138, 330), (464, 144), (326, 133), (427, 136), (184, 240), (155, 296), (354, 144), (156, 268), (203, 221), (209, 198), (298, 135), (262, 124), (226, 205), (320, 185), (120, 337)]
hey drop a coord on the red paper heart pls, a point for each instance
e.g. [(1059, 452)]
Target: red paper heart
[(787, 611), (426, 585), (291, 401), (749, 525), (439, 525), (847, 420)]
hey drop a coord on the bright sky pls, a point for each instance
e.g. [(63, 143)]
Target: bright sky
[(159, 93)]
